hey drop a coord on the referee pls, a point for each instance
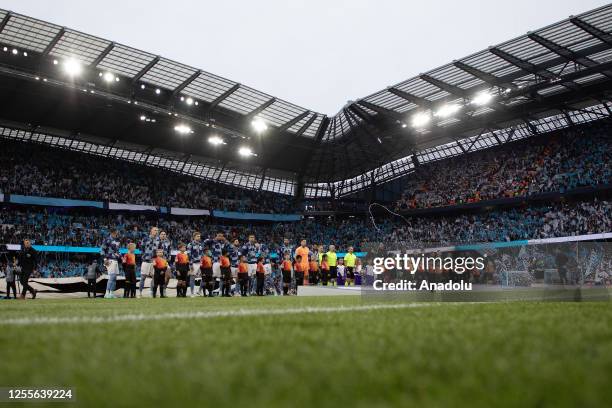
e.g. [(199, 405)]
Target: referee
[(332, 260), (349, 261), (27, 259)]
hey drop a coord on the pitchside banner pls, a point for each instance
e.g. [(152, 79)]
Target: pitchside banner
[(519, 270)]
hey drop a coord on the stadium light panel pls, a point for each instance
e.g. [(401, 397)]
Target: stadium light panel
[(482, 98), (72, 67), (25, 54), (142, 86), (259, 125), (183, 129), (55, 62), (216, 140), (15, 51), (447, 110), (158, 91), (143, 117), (5, 49), (189, 101), (245, 152), (108, 77), (420, 119)]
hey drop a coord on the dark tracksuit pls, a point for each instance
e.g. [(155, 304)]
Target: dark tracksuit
[(28, 259)]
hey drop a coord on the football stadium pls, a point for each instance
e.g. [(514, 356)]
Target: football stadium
[(171, 237)]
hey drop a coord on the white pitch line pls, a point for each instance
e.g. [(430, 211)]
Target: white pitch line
[(26, 321)]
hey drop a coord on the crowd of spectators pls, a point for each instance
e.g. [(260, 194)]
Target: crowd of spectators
[(556, 162), (49, 227), (53, 172), (559, 162)]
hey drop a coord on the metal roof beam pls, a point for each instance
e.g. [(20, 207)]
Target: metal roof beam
[(383, 111), (5, 21), (185, 83), (53, 42), (417, 100), (359, 111), (561, 51), (455, 90), (143, 71), (523, 65), (260, 108), (483, 76), (103, 54), (445, 86), (222, 97), (566, 52), (306, 125), (293, 121), (528, 67), (592, 30), (322, 128)]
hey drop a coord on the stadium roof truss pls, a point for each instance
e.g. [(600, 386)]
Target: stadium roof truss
[(555, 77)]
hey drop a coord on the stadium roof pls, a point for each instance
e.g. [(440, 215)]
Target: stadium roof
[(551, 78)]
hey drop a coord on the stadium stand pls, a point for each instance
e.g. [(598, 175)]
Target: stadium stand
[(558, 162), (56, 227), (50, 172)]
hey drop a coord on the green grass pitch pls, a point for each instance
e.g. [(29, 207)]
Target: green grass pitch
[(497, 354)]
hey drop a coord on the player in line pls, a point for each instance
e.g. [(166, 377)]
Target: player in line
[(110, 253), (195, 251), (149, 246), (183, 269), (128, 262)]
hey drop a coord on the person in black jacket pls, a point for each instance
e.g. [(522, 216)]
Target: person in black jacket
[(28, 260)]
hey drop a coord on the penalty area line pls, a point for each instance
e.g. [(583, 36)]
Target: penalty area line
[(26, 321)]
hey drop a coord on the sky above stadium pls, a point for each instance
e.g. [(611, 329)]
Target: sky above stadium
[(318, 54)]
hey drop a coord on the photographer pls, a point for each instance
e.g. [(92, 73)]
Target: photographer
[(91, 274), (9, 274)]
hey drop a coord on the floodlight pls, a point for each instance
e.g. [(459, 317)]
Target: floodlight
[(482, 98), (447, 110), (108, 77), (183, 129), (215, 140), (259, 125), (420, 119), (245, 151), (72, 67)]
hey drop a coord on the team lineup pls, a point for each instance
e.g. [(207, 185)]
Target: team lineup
[(250, 268)]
